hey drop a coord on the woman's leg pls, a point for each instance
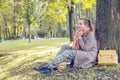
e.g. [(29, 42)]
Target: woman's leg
[(63, 48), (50, 65), (66, 47), (66, 54), (61, 55)]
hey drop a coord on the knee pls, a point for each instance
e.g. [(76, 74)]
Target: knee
[(66, 53), (66, 47)]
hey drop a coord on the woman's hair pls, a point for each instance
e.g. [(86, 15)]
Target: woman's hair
[(88, 23)]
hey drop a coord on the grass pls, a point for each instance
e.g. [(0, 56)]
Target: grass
[(16, 45), (22, 56), (18, 64)]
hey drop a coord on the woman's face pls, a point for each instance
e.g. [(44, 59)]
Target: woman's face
[(82, 26)]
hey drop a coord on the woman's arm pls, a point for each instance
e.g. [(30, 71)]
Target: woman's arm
[(76, 40), (90, 42)]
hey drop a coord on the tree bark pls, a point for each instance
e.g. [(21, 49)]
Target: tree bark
[(70, 8), (28, 22), (6, 29), (108, 24), (28, 13), (0, 30), (14, 19)]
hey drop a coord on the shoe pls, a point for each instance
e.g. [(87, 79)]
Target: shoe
[(42, 67), (69, 65), (55, 68), (48, 70)]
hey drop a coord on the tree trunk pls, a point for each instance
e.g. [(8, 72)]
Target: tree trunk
[(0, 34), (59, 30), (108, 24), (70, 8), (87, 13), (24, 33), (6, 33), (29, 33), (14, 20), (116, 23), (28, 22), (0, 30)]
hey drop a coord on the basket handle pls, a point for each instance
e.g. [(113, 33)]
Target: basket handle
[(105, 48)]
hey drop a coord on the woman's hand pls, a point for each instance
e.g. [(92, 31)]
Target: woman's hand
[(80, 34)]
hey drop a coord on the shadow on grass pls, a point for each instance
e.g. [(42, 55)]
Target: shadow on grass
[(3, 54), (25, 72)]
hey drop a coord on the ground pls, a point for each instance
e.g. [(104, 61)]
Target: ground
[(18, 65)]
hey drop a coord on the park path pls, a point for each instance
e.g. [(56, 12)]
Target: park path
[(14, 60)]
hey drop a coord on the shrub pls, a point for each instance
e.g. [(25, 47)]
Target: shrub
[(41, 33)]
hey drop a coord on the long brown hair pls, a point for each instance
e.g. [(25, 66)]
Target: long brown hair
[(88, 23)]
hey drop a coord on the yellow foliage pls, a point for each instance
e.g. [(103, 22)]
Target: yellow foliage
[(58, 10), (87, 4), (77, 1), (62, 17)]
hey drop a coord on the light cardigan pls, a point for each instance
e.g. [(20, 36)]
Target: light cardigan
[(88, 51)]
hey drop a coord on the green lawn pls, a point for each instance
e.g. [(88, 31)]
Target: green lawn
[(19, 64), (16, 45)]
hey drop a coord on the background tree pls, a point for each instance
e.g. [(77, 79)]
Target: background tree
[(49, 17), (29, 8), (108, 24), (4, 12), (84, 5)]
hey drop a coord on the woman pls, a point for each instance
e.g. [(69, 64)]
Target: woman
[(83, 52)]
